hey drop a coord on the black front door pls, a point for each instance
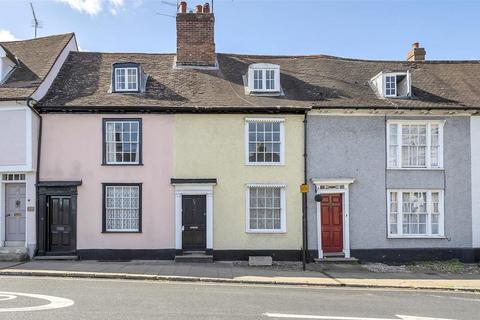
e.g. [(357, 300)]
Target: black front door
[(61, 225), (194, 218)]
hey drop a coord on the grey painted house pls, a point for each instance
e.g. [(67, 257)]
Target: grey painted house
[(389, 161)]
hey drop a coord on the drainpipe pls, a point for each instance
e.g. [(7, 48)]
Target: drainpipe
[(305, 254), (31, 103)]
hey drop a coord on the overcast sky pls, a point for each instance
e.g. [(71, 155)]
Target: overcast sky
[(373, 29)]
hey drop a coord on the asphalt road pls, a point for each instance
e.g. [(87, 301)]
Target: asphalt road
[(121, 299)]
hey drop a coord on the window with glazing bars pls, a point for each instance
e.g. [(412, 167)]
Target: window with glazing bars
[(122, 141), (264, 142), (126, 79), (414, 145), (415, 213), (122, 208), (265, 208), (258, 79), (390, 86)]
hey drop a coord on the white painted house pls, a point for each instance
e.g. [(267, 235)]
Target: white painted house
[(27, 69)]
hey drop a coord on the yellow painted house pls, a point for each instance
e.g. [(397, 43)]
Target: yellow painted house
[(253, 201)]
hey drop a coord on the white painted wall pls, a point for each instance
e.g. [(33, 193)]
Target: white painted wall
[(475, 144)]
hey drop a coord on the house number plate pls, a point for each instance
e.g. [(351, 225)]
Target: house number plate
[(193, 227), (18, 214)]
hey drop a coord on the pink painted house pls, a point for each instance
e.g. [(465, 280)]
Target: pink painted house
[(84, 180)]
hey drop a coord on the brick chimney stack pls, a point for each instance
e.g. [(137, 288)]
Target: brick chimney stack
[(416, 53), (195, 36)]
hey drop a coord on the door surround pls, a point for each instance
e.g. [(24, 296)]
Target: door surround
[(328, 186), (45, 190), (193, 187)]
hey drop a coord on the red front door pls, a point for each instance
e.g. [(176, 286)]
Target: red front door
[(332, 222)]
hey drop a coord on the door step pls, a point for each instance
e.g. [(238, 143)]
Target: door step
[(53, 258), (194, 257), (13, 254), (337, 260)]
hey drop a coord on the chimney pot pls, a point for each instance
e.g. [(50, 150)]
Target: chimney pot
[(416, 45), (183, 7), (199, 9), (206, 8)]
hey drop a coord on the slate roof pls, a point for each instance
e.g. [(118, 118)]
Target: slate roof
[(36, 57), (318, 81)]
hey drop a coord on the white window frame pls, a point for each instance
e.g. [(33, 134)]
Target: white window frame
[(441, 218), (117, 69), (428, 123), (282, 142), (395, 74), (263, 67), (139, 141), (283, 210)]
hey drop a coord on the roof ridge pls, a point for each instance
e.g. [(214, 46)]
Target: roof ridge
[(312, 56), (71, 34)]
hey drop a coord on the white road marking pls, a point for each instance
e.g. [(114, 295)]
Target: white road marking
[(5, 297), (55, 302), (301, 316), (455, 298)]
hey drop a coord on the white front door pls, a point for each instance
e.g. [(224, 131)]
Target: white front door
[(15, 211)]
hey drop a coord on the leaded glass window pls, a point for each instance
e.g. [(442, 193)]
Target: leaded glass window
[(265, 208), (122, 208)]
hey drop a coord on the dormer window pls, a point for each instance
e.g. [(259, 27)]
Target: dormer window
[(126, 77), (263, 78), (393, 84)]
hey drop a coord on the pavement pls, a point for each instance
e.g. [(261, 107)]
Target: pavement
[(327, 275)]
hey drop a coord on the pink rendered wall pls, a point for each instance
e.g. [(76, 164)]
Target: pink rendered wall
[(72, 151)]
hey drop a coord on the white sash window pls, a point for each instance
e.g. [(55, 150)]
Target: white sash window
[(415, 213), (415, 144)]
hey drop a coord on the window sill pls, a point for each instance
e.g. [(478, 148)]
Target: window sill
[(274, 164), (417, 169), (265, 231), (416, 237), (122, 164), (106, 232)]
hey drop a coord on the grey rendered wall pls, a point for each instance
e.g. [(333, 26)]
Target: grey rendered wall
[(354, 147)]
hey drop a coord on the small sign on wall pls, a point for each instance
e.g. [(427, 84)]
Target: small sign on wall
[(30, 209), (304, 188)]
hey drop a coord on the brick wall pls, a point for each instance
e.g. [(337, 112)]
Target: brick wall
[(195, 39)]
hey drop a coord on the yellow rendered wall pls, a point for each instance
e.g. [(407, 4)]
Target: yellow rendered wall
[(213, 146)]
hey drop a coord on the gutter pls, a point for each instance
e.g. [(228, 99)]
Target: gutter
[(30, 103)]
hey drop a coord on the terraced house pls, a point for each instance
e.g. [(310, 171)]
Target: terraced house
[(27, 69), (389, 157), (199, 155)]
